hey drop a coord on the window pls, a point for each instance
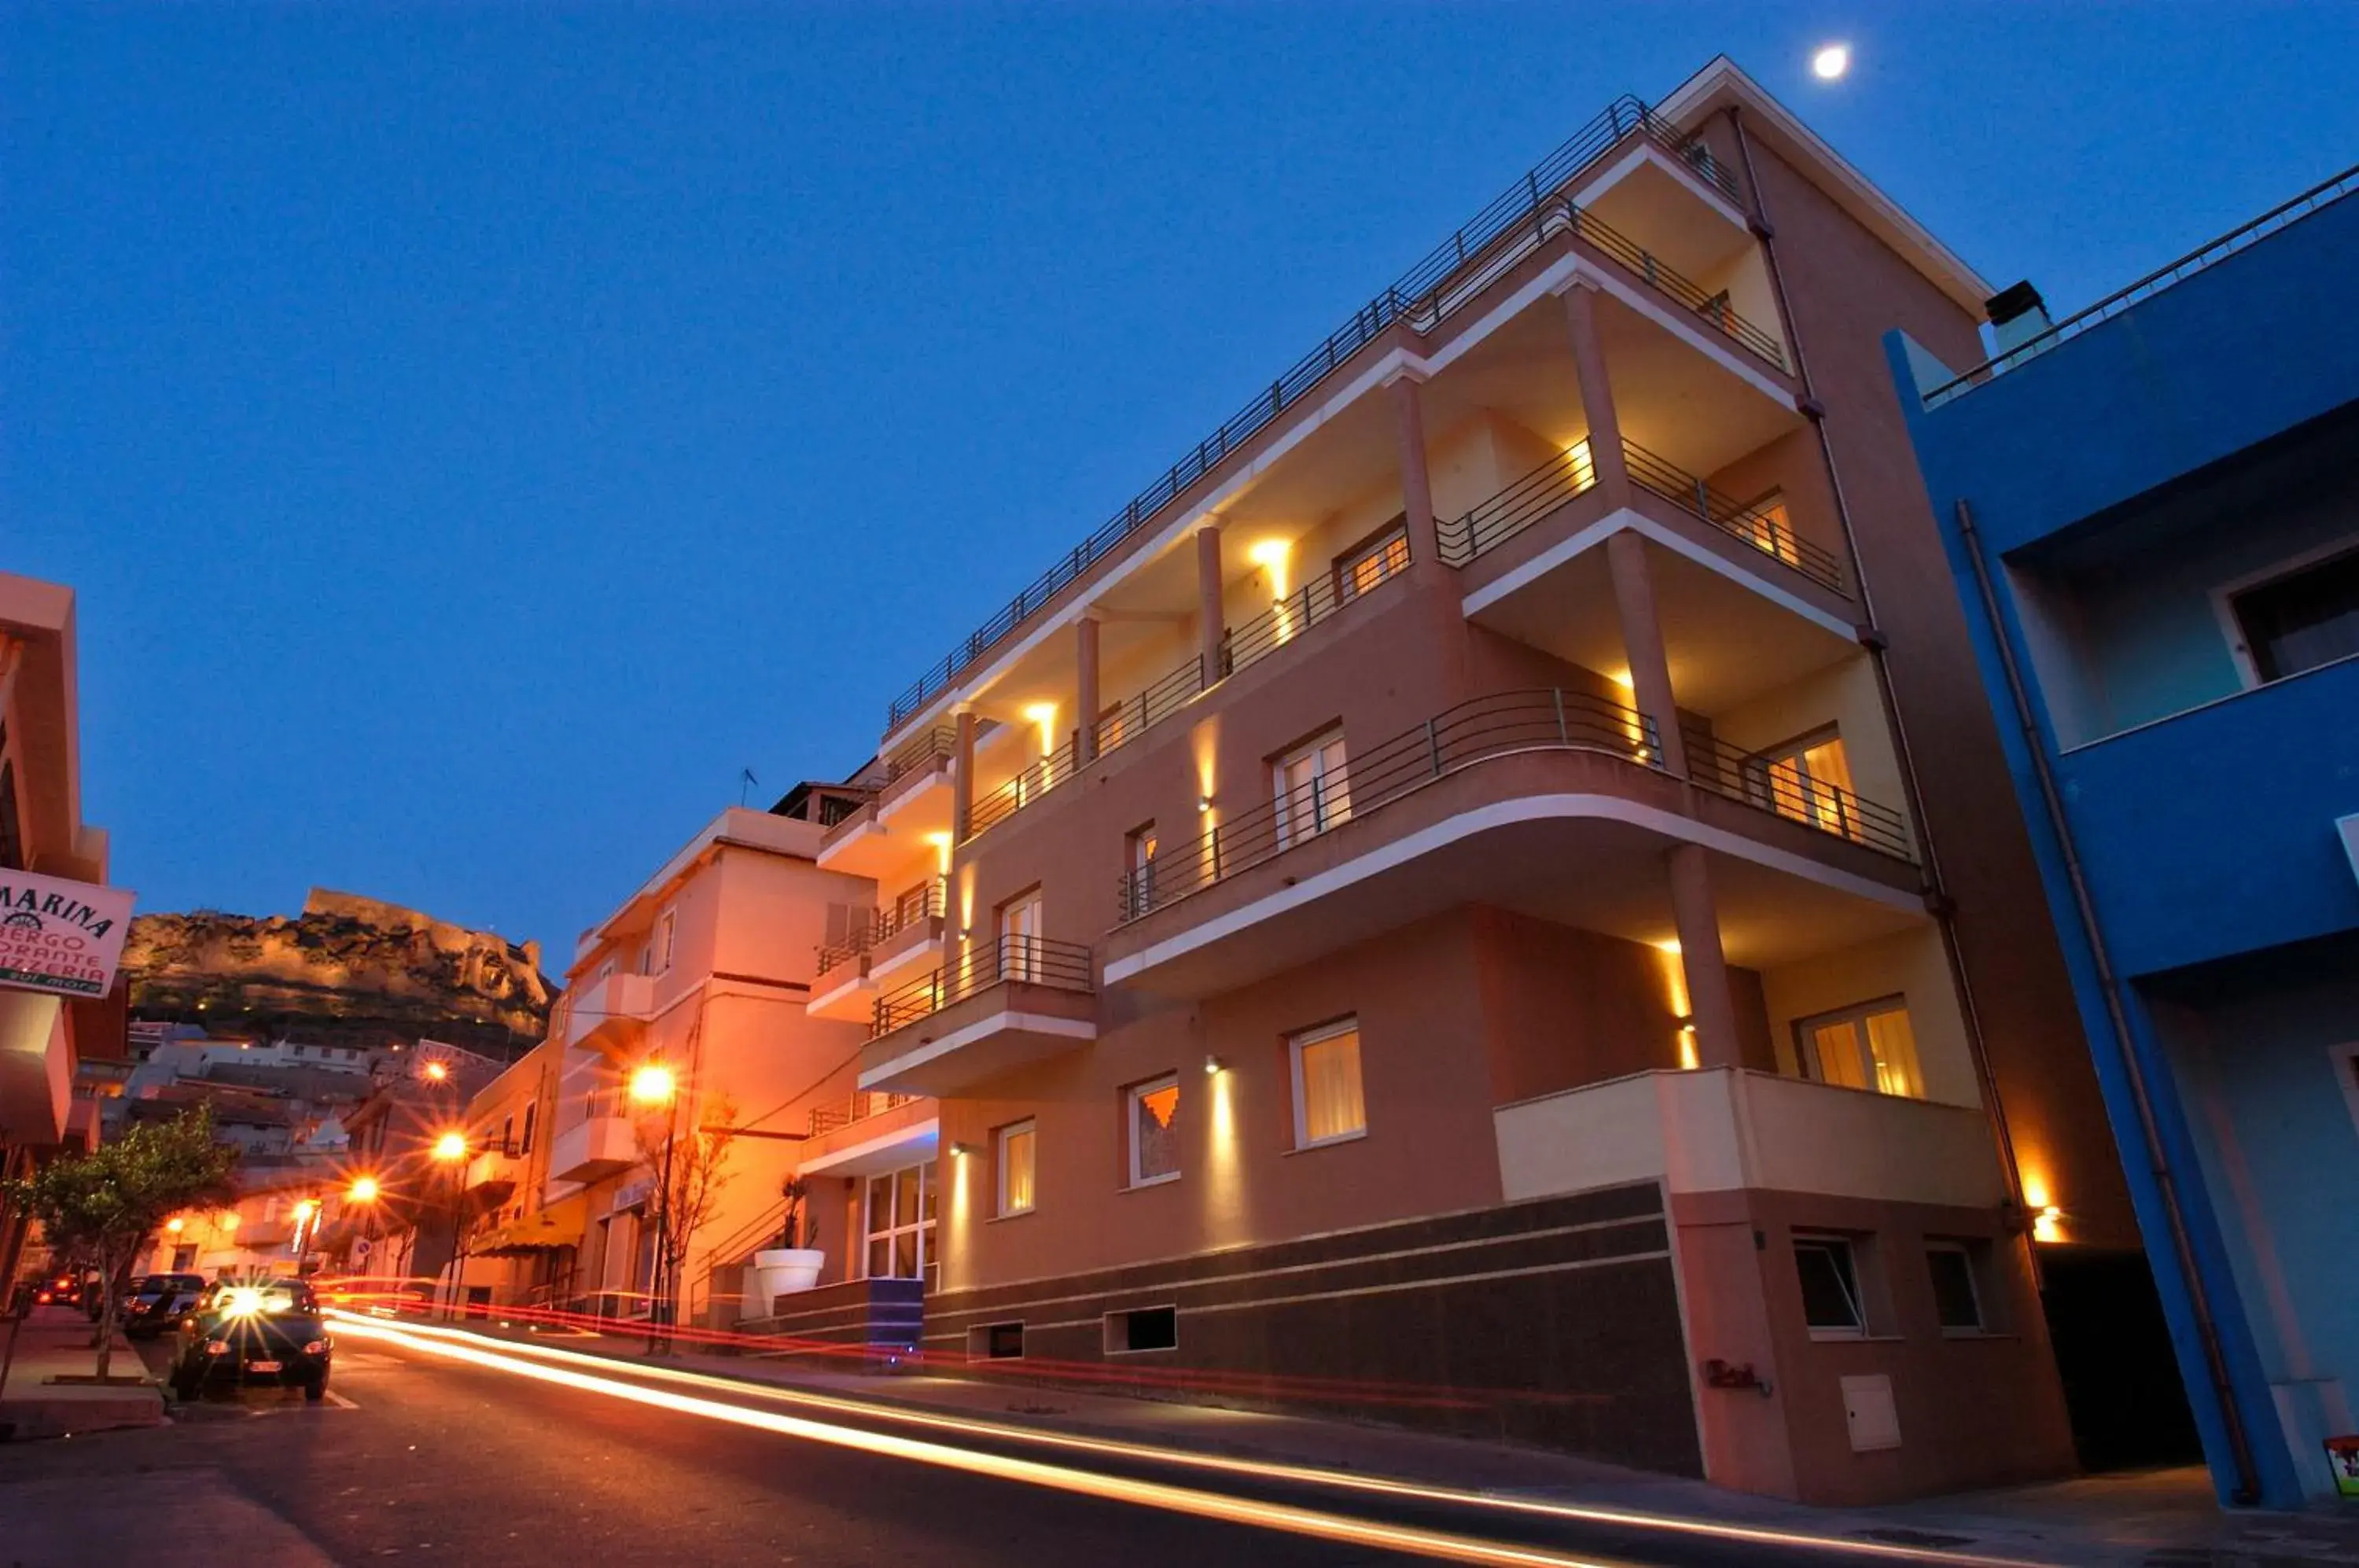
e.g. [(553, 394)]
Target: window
[(1808, 780), (1957, 1300), (1765, 526), (914, 904), (1328, 1106), (507, 1135), (667, 940), (1372, 561), (531, 1114), (1142, 1328), (1312, 790), (1014, 1161), (1867, 1047), (2301, 620), (1151, 1108), (900, 1226), (1830, 1299), (995, 1342), (647, 959), (1019, 936), (1138, 859)]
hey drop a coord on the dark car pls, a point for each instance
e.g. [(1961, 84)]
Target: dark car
[(256, 1331), (62, 1290), (159, 1303)]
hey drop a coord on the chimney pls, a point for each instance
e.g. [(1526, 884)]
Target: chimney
[(2017, 315)]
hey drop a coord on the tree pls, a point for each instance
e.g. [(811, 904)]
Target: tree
[(689, 1174), (107, 1202)]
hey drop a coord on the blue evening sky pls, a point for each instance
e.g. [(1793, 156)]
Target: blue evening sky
[(475, 434)]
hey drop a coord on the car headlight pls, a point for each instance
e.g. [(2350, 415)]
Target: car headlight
[(317, 1347), (216, 1347)]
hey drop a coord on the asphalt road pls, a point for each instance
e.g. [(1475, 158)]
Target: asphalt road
[(419, 1458)]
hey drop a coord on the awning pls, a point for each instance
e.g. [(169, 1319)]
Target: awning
[(560, 1224)]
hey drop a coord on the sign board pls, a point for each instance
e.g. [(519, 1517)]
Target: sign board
[(60, 937)]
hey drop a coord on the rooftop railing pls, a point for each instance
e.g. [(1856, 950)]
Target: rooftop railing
[(1421, 297), (2322, 195), (1773, 784), (1764, 528), (1498, 725), (1017, 960)]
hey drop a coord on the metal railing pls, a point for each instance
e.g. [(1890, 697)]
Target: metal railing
[(1021, 960), (1756, 526), (1028, 785), (864, 1104), (1421, 298), (1497, 725), (2325, 193), (1533, 496), (1133, 717), (1713, 308), (871, 929), (1248, 642), (1773, 784)]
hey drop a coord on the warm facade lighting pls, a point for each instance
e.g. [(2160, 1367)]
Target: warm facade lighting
[(1620, 678), (451, 1146), (2047, 1225), (1831, 62), (1271, 556), (653, 1084), (959, 1151), (307, 1208), (227, 1222), (1203, 803), (1212, 1065), (176, 1225)]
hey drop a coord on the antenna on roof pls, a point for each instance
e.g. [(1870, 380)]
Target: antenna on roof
[(745, 780)]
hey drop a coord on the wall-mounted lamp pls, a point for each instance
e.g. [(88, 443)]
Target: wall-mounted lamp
[(2048, 1223), (960, 1150), (1687, 1026), (1213, 1065), (1203, 803)]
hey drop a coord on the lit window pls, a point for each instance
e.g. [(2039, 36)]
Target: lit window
[(900, 1225), (1019, 938), (1328, 1105), (1830, 1299), (1313, 790), (1138, 854), (1868, 1047), (1957, 1300), (2301, 620), (1359, 569), (1809, 781), (1016, 1145), (1152, 1109)]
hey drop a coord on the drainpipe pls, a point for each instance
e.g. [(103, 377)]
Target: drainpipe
[(2182, 1245), (1873, 639)]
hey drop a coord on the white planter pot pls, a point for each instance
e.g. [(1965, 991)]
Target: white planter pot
[(780, 1271)]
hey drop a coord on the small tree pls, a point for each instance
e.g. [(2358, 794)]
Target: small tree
[(107, 1203), (797, 1226), (690, 1172)]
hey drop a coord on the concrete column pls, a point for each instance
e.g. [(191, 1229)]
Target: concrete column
[(1416, 483), (1597, 393), (963, 776), (1209, 623), (1085, 687), (1710, 1006), (1642, 644)]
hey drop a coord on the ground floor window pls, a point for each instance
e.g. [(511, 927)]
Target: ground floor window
[(1832, 1306), (1151, 1109), (900, 1226), (1957, 1297), (1328, 1103)]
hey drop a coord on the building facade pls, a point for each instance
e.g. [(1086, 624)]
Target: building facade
[(2151, 512), (1494, 877)]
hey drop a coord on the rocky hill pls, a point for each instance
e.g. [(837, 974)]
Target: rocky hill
[(347, 970)]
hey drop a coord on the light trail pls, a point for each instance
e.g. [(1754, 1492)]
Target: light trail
[(1303, 1475), (1283, 1516)]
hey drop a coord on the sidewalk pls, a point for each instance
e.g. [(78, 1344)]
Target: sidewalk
[(55, 1341), (2150, 1520)]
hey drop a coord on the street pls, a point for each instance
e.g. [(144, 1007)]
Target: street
[(416, 1455)]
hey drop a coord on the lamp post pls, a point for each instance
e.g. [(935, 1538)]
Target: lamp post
[(363, 1193), (655, 1086), (449, 1151)]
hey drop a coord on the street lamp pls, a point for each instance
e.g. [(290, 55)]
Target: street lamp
[(363, 1193), (449, 1151), (655, 1086)]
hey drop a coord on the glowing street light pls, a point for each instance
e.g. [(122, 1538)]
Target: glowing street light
[(363, 1190), (1831, 62), (449, 1146), (653, 1084), (435, 1072), (176, 1225)]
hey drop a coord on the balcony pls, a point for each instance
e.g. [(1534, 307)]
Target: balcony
[(910, 810), (490, 1176), (1489, 803), (884, 943), (1727, 1129), (874, 1131), (1002, 1004), (593, 1149), (610, 1014), (36, 1068)]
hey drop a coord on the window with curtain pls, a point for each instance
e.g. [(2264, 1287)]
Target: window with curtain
[(1868, 1047), (1365, 565), (1014, 1162), (1328, 1103), (1019, 936), (1153, 1110), (1808, 780), (1312, 788), (2306, 618)]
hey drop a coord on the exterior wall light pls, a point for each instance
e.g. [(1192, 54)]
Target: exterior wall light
[(1212, 1065), (1203, 803), (959, 1150)]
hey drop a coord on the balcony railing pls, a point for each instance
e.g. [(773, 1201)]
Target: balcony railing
[(1029, 785), (1134, 715), (1307, 606), (1024, 960), (1713, 308), (1421, 298), (1775, 785), (2106, 309), (864, 1104), (1503, 516), (871, 929), (1485, 728), (1759, 526)]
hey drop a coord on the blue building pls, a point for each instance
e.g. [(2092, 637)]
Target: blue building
[(2151, 511)]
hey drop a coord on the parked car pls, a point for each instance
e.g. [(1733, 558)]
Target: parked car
[(159, 1303), (59, 1289), (259, 1331)]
